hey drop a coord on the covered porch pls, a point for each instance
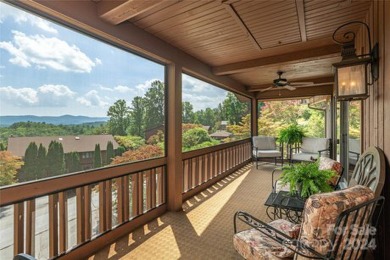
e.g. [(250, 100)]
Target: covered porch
[(231, 44)]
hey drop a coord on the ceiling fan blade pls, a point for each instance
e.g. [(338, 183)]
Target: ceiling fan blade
[(290, 88), (300, 83), (266, 89)]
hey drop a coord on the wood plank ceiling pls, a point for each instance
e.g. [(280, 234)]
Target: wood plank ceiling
[(247, 40)]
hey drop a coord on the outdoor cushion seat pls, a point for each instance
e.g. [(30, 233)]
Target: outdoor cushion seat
[(311, 149), (351, 208), (252, 244)]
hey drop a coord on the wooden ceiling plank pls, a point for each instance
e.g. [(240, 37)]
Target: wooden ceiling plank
[(116, 12), (267, 15), (290, 57), (229, 8), (301, 19), (267, 9), (162, 15), (210, 19), (334, 11), (164, 6), (182, 18)]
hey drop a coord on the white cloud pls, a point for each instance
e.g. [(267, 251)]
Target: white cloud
[(19, 97), (122, 89), (98, 61), (44, 96), (20, 17), (45, 52), (201, 94), (106, 89), (92, 99)]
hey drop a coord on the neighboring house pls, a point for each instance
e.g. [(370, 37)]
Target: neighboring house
[(206, 127), (221, 134), (153, 131), (83, 144)]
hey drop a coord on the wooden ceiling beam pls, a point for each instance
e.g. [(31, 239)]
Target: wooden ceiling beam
[(328, 51), (301, 19), (233, 13), (116, 12)]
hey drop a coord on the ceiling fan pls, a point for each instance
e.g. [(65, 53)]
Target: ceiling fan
[(283, 83)]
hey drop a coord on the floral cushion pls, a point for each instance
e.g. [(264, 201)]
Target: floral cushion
[(252, 244), (321, 212), (326, 163)]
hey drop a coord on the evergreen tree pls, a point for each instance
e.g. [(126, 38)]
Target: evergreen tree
[(155, 105), (137, 116), (97, 157), (55, 159), (42, 162), (30, 168), (109, 152), (119, 114), (72, 162)]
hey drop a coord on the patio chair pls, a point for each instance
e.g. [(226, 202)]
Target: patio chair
[(354, 151), (265, 147), (336, 225), (310, 149)]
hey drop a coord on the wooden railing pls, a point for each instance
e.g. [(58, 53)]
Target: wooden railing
[(50, 217), (71, 216), (203, 167)]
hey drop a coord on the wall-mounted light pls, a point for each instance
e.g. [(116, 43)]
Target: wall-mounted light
[(351, 77)]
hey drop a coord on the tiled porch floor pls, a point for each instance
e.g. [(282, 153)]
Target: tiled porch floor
[(205, 227)]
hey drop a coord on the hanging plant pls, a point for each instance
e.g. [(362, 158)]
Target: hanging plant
[(292, 134)]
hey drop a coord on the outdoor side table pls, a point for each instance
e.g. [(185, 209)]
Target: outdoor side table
[(283, 205)]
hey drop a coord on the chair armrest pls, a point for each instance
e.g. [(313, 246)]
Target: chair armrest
[(323, 150), (274, 182), (355, 153), (293, 244)]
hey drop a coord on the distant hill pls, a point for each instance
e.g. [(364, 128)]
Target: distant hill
[(55, 120)]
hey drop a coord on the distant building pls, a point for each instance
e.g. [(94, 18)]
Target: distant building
[(83, 144), (206, 127), (221, 134), (223, 125)]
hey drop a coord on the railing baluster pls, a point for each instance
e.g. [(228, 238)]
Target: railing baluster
[(153, 187), (53, 225), (108, 204), (197, 173), (80, 214), (63, 221), (120, 200), (126, 197), (87, 213), (140, 192), (190, 174), (18, 228), (30, 227), (134, 195), (102, 206), (164, 183), (148, 193)]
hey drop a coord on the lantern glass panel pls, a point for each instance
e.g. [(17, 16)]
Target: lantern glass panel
[(351, 80)]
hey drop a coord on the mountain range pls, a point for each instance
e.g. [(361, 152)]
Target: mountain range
[(55, 120)]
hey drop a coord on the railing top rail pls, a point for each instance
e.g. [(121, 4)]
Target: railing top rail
[(196, 153), (29, 190)]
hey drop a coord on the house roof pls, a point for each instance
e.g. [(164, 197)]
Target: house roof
[(80, 143), (221, 134)]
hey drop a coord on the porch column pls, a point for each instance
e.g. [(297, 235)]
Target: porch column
[(254, 116), (174, 138)]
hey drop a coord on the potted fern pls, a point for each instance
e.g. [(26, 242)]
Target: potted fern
[(306, 179), (292, 134)]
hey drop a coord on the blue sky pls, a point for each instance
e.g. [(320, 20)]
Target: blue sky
[(49, 70)]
